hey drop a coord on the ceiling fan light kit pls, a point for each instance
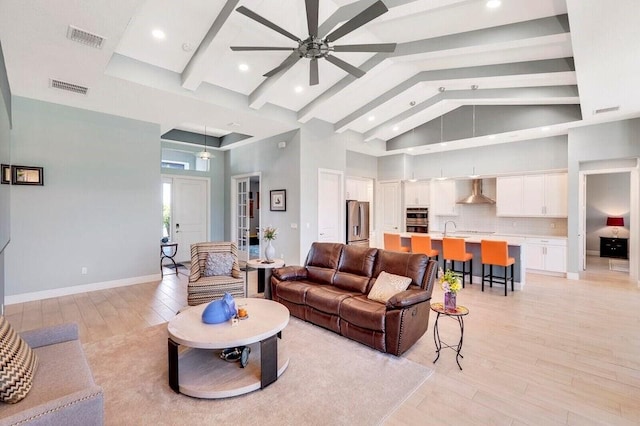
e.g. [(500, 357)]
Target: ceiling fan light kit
[(316, 47)]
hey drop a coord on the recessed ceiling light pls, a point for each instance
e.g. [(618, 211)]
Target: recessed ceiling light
[(492, 4), (545, 129), (243, 67), (441, 89), (396, 128), (187, 47), (158, 34), (409, 149), (371, 117), (298, 89)]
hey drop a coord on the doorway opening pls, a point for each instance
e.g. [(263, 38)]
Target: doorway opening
[(246, 216), (607, 197)]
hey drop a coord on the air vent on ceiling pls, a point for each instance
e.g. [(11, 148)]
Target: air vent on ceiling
[(85, 37), (603, 110), (69, 87)]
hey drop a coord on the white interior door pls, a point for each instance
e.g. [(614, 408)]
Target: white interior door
[(242, 218), (330, 206), (190, 214)]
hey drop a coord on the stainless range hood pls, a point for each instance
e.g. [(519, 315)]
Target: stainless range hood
[(476, 196)]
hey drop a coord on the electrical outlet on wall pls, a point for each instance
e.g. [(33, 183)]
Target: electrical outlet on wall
[(84, 270)]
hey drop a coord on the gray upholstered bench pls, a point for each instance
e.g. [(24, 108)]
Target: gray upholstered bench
[(63, 391)]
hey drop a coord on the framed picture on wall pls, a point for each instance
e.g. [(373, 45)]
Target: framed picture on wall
[(26, 175), (278, 200), (6, 174)]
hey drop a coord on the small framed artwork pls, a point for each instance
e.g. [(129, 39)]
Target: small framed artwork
[(6, 174), (26, 175), (278, 200)]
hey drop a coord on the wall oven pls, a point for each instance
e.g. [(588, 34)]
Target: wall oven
[(417, 219)]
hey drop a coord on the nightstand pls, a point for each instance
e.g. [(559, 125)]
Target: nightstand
[(614, 247)]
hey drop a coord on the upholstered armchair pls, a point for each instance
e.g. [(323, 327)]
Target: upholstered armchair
[(214, 272)]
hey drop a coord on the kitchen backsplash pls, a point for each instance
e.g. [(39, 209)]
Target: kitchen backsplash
[(482, 218)]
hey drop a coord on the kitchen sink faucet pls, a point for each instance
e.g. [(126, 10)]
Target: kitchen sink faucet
[(445, 226)]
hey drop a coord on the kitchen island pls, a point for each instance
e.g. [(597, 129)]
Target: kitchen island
[(517, 245)]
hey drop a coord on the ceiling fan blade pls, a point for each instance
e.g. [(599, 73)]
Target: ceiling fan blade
[(266, 22), (312, 16), (369, 14), (313, 72), (357, 72), (379, 47), (243, 48), (287, 63)]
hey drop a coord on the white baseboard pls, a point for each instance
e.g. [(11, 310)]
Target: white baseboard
[(66, 291), (573, 276)]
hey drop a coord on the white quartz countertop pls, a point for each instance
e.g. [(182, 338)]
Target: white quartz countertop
[(476, 237)]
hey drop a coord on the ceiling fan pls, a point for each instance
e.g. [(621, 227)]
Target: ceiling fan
[(315, 46)]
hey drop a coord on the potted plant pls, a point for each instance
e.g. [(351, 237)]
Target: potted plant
[(450, 283)]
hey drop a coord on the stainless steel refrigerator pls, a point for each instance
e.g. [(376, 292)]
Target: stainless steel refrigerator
[(358, 223)]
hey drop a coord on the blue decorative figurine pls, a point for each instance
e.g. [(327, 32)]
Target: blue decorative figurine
[(219, 310)]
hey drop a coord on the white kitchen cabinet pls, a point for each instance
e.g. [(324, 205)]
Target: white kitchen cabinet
[(509, 196), (547, 254), (389, 207), (443, 198), (357, 189), (532, 195), (416, 194)]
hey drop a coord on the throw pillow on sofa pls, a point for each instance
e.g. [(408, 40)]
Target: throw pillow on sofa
[(18, 364), (387, 285), (218, 264)]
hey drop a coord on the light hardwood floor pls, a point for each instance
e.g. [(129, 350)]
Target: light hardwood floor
[(559, 352)]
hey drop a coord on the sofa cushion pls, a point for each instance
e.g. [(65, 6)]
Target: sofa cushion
[(404, 264), (388, 285), (364, 313), (294, 291), (218, 264), (322, 262), (355, 268), (18, 364), (326, 298)]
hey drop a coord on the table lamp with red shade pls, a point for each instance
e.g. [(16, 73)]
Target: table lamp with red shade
[(615, 222)]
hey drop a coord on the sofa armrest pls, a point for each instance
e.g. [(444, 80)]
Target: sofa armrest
[(407, 298), (290, 273), (84, 407), (50, 335)]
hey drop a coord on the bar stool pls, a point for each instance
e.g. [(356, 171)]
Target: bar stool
[(454, 249), (496, 253), (422, 244), (392, 242)]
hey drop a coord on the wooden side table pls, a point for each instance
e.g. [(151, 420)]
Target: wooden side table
[(264, 274), (458, 315)]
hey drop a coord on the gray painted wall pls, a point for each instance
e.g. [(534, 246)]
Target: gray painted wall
[(609, 141), (280, 169), (5, 158), (100, 206), (216, 175), (607, 195), (362, 165), (502, 159)]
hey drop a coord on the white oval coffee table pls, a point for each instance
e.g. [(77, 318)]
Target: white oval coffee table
[(197, 369)]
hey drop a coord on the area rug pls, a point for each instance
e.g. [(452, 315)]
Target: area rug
[(330, 381)]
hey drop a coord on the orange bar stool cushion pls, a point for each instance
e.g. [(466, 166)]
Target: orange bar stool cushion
[(392, 242), (455, 249), (422, 244), (495, 253)]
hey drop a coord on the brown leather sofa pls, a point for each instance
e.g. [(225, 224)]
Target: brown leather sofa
[(331, 291)]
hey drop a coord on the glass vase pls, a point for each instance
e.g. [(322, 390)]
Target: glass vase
[(449, 301)]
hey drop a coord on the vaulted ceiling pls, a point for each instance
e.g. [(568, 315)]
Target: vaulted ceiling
[(451, 55)]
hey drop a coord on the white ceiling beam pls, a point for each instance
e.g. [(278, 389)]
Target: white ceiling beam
[(501, 34), (200, 64), (499, 70), (569, 94)]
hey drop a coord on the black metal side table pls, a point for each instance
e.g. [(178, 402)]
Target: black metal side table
[(456, 314), (168, 251)]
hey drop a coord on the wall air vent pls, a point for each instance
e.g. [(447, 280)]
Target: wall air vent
[(69, 87), (85, 37), (603, 110)]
